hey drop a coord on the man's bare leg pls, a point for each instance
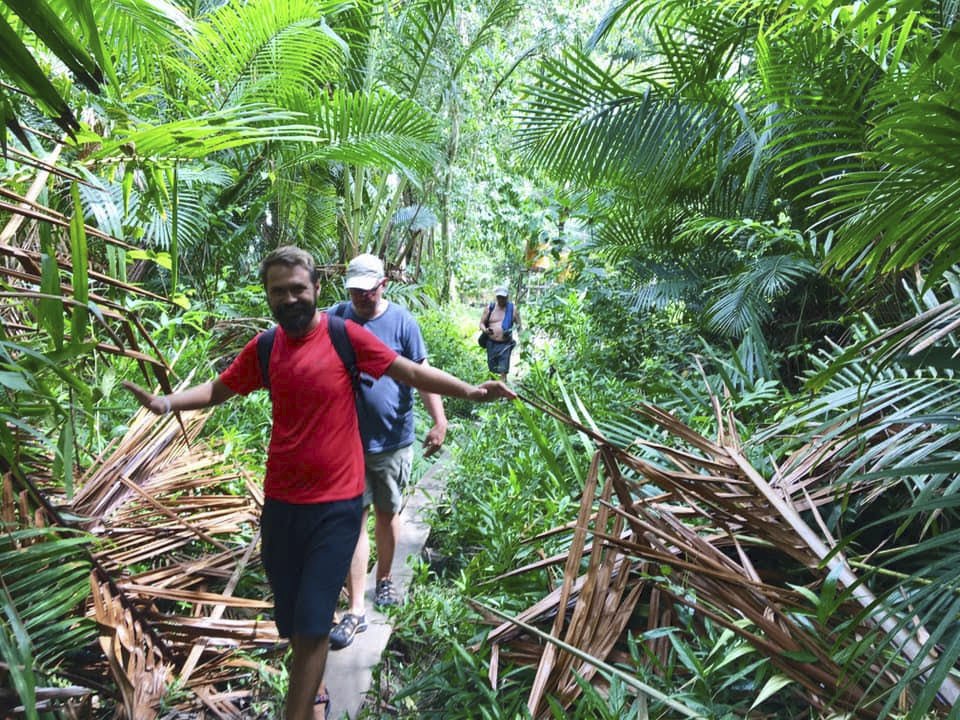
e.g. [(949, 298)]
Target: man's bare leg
[(306, 675), (387, 532), (357, 577)]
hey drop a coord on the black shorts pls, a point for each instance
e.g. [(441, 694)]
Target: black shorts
[(306, 551)]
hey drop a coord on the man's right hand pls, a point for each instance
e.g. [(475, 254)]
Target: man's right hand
[(156, 404)]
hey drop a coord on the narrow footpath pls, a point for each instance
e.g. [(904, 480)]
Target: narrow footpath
[(350, 671)]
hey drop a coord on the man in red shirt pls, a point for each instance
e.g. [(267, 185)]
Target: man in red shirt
[(315, 469)]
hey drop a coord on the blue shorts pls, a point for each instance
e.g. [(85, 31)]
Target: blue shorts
[(306, 551), (498, 356)]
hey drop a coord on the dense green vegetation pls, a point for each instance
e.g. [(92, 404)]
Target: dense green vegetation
[(739, 213)]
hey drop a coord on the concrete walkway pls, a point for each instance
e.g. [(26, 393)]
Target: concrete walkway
[(350, 671)]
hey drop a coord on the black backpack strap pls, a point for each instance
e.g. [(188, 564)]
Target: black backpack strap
[(264, 347), (337, 328), (489, 313), (340, 310)]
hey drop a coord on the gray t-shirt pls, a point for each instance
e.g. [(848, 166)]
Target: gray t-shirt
[(386, 410)]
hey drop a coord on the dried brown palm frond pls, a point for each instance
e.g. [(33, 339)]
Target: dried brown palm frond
[(167, 558), (630, 555), (155, 501), (139, 661), (167, 536)]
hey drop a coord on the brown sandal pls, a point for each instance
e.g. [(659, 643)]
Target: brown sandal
[(323, 699)]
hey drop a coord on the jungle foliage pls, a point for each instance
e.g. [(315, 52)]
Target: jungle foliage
[(729, 488)]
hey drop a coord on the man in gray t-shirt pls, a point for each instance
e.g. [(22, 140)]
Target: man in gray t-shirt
[(385, 413)]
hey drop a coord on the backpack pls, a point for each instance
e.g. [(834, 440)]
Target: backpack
[(341, 343)]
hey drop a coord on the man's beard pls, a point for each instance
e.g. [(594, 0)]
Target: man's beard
[(295, 318)]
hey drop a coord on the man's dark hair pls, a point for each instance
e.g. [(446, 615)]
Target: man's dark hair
[(291, 256)]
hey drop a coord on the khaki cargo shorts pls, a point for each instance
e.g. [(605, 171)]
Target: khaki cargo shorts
[(387, 476)]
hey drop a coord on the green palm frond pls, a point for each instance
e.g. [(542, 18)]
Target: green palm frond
[(414, 218), (628, 231), (817, 98), (15, 648), (629, 13), (197, 185), (501, 15), (417, 43), (317, 217), (735, 308), (906, 211), (862, 130), (147, 37), (46, 578), (41, 18), (744, 302), (267, 51), (19, 65), (303, 205), (377, 129), (359, 25), (884, 31), (752, 360), (703, 58), (146, 205), (206, 134), (578, 122), (934, 607), (763, 262), (774, 275), (669, 288)]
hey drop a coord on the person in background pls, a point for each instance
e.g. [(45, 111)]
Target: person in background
[(499, 320), (314, 480), (385, 409)]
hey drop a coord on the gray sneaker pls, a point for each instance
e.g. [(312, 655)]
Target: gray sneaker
[(342, 633), (385, 595)]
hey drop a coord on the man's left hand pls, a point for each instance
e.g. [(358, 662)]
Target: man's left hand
[(434, 440), (493, 390)]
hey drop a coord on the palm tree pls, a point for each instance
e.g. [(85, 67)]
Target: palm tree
[(683, 146), (405, 93)]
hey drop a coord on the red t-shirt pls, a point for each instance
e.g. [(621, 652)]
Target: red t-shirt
[(315, 453)]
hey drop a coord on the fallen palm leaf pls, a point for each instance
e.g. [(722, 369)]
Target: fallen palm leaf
[(713, 562)]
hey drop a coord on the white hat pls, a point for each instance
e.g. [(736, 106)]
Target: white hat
[(364, 272), (501, 291)]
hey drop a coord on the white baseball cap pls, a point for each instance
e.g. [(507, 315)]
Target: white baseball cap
[(364, 272), (502, 291)]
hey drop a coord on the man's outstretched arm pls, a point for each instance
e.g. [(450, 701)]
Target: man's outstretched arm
[(193, 398), (433, 380)]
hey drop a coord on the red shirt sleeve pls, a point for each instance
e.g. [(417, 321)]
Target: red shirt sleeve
[(244, 376)]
